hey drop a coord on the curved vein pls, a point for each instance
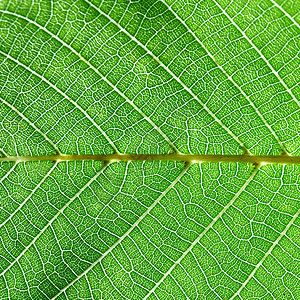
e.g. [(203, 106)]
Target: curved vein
[(31, 123), (65, 96), (267, 254), (54, 218), (286, 13), (99, 74), (259, 52), (185, 87), (127, 232), (28, 197), (9, 171), (204, 231), (231, 79)]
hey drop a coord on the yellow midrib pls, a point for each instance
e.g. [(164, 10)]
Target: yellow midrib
[(191, 158)]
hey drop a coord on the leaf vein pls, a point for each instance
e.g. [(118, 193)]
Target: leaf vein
[(54, 218), (267, 254), (128, 232), (204, 231), (231, 79), (101, 76), (65, 96), (171, 73), (259, 52), (31, 124)]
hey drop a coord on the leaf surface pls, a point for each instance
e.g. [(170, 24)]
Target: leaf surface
[(149, 149)]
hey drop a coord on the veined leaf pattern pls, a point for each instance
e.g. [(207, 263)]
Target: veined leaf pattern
[(149, 149)]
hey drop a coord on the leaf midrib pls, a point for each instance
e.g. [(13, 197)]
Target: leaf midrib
[(190, 158)]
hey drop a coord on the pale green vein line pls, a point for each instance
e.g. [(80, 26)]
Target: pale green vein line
[(296, 15), (54, 218), (204, 232), (267, 254), (28, 197), (286, 13), (230, 78), (97, 72), (31, 124), (7, 173), (113, 285), (259, 52), (171, 73), (65, 96), (128, 232), (7, 288), (205, 277), (190, 158)]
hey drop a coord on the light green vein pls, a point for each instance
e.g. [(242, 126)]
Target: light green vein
[(230, 78), (204, 232), (54, 218), (99, 74), (128, 232), (267, 254), (171, 73), (286, 13), (31, 123), (65, 96), (190, 158), (259, 52)]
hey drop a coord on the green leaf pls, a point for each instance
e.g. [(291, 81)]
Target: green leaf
[(149, 149)]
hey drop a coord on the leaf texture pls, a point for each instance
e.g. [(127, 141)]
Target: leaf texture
[(149, 78)]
